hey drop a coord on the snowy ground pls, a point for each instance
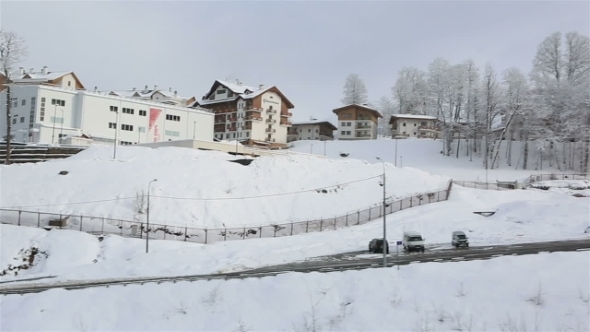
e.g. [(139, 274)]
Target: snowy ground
[(461, 296), (522, 216), (424, 154), (580, 188), (203, 189)]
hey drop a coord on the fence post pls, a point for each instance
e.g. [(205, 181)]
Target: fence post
[(38, 219), (165, 229), (347, 220), (306, 226), (19, 212), (335, 221), (401, 205), (122, 224), (102, 229), (358, 217), (205, 235), (260, 232), (291, 228), (275, 233), (185, 229), (244, 234), (225, 234), (141, 231), (411, 201), (370, 213), (81, 220), (321, 224)]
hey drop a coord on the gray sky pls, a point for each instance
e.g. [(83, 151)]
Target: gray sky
[(305, 48)]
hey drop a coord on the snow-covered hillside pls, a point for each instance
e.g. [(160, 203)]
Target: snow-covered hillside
[(426, 154), (523, 293), (522, 216), (204, 189)]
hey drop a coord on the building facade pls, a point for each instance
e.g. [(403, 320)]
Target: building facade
[(357, 122), (409, 125), (311, 130), (254, 116), (50, 110)]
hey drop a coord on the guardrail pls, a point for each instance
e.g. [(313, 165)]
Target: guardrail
[(129, 228)]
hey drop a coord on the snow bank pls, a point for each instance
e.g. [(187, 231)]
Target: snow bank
[(529, 293), (426, 154), (579, 188), (203, 188), (522, 216)]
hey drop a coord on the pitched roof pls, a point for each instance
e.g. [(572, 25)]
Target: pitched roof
[(366, 107), (236, 88), (413, 116), (44, 77), (248, 93), (313, 122)]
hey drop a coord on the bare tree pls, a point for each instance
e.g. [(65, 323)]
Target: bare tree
[(355, 91), (12, 51), (386, 107), (490, 97)]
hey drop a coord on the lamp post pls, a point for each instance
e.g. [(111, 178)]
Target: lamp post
[(147, 230), (61, 129), (385, 249), (53, 129), (116, 133)]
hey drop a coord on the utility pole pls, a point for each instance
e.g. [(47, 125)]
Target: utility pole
[(147, 230), (385, 246)]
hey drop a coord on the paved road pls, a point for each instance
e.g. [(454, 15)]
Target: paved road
[(340, 262)]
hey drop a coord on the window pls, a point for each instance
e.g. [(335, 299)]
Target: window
[(14, 121), (125, 143), (24, 102), (58, 102), (22, 119), (230, 94), (112, 125), (247, 134), (343, 124), (342, 133), (142, 113), (423, 123), (128, 110), (316, 130), (220, 91), (348, 133), (126, 127), (172, 117), (414, 124), (42, 99), (69, 83), (172, 133), (57, 119), (348, 124), (114, 108), (404, 124), (309, 130), (42, 110)]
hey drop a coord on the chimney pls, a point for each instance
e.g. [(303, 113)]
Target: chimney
[(95, 88), (133, 89), (145, 88), (170, 89), (175, 93), (260, 86), (32, 70), (44, 70), (22, 70), (155, 87)]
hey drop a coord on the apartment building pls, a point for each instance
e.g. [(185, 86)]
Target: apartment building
[(357, 122), (410, 125), (254, 116), (54, 107), (311, 130)]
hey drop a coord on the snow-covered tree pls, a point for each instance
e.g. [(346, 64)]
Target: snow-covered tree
[(411, 91), (355, 91), (12, 51), (387, 108)]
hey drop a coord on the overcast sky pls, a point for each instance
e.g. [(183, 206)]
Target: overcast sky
[(306, 49)]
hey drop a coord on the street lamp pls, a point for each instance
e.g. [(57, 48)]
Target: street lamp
[(116, 133), (61, 130), (147, 230), (53, 129), (384, 218)]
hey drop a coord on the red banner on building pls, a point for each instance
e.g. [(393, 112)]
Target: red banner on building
[(154, 115)]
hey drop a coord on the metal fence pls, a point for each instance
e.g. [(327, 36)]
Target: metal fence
[(551, 177), (509, 185), (487, 186), (127, 228)]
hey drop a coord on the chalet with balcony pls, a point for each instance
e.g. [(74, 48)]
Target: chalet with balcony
[(311, 130), (357, 122), (410, 125), (254, 116)]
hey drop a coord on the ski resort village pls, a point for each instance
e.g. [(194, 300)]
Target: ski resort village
[(219, 184)]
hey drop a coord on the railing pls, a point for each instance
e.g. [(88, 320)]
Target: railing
[(286, 114), (509, 185), (271, 111), (270, 130), (286, 123), (271, 121), (250, 117), (137, 229)]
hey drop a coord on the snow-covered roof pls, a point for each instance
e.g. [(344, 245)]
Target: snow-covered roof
[(365, 106), (236, 88), (497, 123), (414, 116), (312, 122), (49, 76), (126, 93)]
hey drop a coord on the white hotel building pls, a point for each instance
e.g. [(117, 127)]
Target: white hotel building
[(51, 107)]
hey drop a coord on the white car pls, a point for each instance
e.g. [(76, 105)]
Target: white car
[(413, 241)]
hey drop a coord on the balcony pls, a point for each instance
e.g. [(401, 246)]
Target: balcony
[(286, 123), (271, 111), (270, 130), (255, 118), (271, 140), (360, 135), (286, 114), (271, 121), (360, 126)]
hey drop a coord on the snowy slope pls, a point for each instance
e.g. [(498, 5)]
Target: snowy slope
[(201, 187), (522, 293), (522, 216), (426, 154)]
